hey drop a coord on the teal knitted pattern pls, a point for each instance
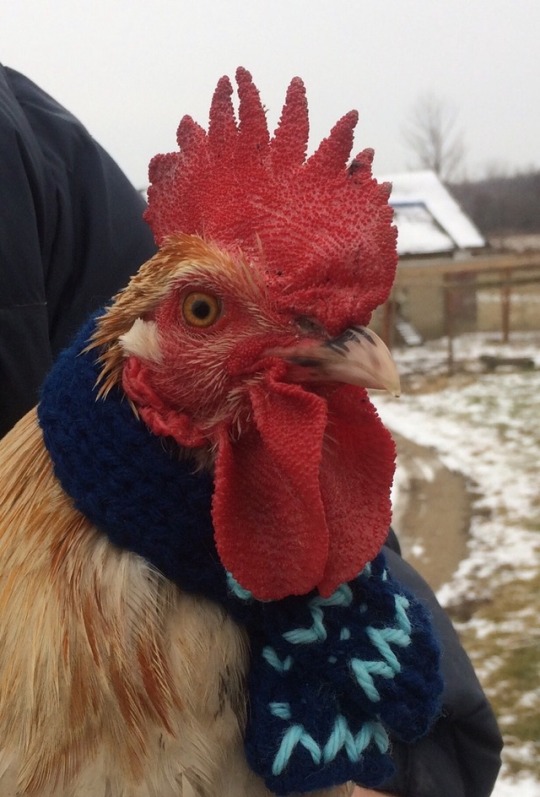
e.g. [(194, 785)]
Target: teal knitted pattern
[(331, 680)]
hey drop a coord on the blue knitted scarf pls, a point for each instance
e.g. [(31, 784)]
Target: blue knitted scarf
[(331, 679)]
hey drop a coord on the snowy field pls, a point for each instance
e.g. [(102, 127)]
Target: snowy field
[(485, 425)]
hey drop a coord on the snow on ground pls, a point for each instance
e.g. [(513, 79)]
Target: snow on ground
[(484, 425), (521, 787), (487, 430)]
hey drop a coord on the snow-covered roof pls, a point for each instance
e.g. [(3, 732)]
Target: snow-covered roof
[(418, 232), (428, 218)]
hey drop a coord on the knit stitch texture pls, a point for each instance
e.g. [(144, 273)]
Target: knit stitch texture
[(331, 679)]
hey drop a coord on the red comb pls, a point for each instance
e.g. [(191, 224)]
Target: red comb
[(319, 229)]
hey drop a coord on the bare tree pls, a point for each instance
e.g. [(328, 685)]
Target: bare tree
[(431, 132)]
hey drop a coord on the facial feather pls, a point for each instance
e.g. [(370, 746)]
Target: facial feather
[(184, 258)]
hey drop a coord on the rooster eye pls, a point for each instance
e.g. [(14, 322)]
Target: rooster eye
[(200, 309)]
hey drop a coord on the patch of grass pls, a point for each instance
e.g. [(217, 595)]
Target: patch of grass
[(532, 524), (504, 645)]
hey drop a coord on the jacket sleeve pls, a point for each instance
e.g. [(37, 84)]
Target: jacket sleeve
[(460, 757), (24, 340), (71, 235)]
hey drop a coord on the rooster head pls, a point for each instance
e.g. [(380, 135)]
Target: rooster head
[(244, 338)]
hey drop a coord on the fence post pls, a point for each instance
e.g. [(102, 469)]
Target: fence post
[(449, 327), (505, 305), (388, 322)]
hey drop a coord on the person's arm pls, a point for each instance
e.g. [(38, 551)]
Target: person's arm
[(71, 235), (92, 234), (25, 353), (460, 757)]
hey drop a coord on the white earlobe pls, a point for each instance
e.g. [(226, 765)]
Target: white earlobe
[(142, 340)]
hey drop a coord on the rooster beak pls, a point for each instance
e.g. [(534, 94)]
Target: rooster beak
[(357, 357)]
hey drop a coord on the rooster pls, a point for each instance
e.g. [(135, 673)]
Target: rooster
[(192, 595)]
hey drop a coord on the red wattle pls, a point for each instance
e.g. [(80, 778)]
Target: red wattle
[(356, 476), (269, 520), (301, 500)]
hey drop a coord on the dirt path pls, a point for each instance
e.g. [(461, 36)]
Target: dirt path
[(431, 512)]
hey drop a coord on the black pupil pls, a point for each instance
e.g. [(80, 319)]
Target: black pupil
[(201, 309)]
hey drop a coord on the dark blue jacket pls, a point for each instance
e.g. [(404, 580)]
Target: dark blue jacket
[(71, 234), (460, 757)]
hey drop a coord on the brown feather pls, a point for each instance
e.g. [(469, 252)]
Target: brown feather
[(113, 683)]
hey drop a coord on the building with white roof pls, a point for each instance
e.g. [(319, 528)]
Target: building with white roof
[(429, 220)]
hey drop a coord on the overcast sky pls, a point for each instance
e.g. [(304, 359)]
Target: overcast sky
[(129, 69)]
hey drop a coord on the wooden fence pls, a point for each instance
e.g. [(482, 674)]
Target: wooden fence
[(439, 296)]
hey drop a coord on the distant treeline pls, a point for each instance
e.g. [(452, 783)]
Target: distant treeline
[(502, 205)]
